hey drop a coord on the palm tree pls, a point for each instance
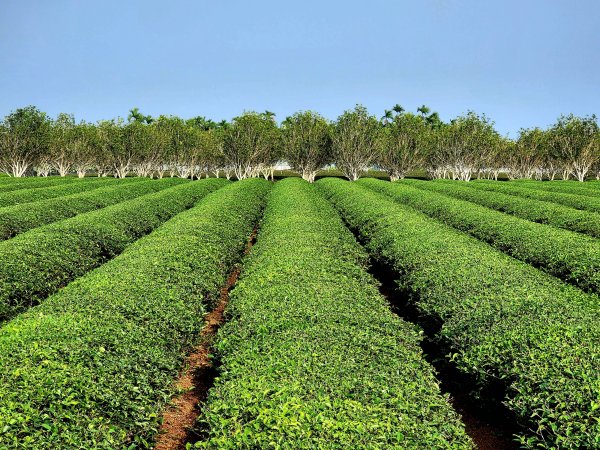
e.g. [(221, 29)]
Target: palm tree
[(270, 115), (424, 110), (387, 117), (398, 109)]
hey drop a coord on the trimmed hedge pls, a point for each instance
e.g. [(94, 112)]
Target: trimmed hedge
[(20, 218), (12, 184), (573, 200), (563, 253), (92, 366), (505, 321), (42, 260), (590, 188), (23, 196), (312, 357), (549, 213)]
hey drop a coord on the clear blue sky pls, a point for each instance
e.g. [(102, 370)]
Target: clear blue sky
[(520, 62)]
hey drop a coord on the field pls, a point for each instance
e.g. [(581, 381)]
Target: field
[(168, 313)]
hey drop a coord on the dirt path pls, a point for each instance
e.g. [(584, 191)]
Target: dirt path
[(487, 423), (198, 375)]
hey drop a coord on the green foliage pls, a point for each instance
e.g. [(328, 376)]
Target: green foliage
[(505, 321), (27, 195), (561, 186), (356, 141), (462, 146), (564, 196), (24, 137), (13, 184), (406, 141), (534, 210), (306, 141), (42, 260), (136, 116), (312, 357), (531, 151), (251, 145), (92, 367), (251, 141), (575, 140), (565, 254), (20, 218)]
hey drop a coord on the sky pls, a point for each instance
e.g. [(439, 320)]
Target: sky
[(522, 63)]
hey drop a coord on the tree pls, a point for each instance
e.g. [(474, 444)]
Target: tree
[(356, 140), (250, 141), (423, 110), (405, 142), (461, 145), (63, 140), (528, 154), (136, 116), (387, 117), (173, 133), (24, 136), (144, 147), (202, 123), (86, 152), (398, 109), (306, 139), (574, 141), (115, 155)]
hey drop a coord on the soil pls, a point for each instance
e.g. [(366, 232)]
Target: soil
[(198, 376), (487, 421)]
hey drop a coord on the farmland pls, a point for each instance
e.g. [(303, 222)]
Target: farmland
[(105, 286), (163, 285)]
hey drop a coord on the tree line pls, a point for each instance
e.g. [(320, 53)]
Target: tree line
[(253, 143)]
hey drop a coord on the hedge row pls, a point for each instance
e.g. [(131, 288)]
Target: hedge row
[(504, 320), (312, 357), (37, 263), (591, 188), (92, 367), (12, 184), (20, 218), (549, 213), (573, 200), (563, 253), (22, 196)]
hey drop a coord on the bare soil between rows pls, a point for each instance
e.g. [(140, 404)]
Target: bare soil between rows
[(199, 374), (487, 421)]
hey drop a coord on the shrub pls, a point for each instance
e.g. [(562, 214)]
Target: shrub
[(591, 189), (22, 196), (565, 254), (92, 366), (20, 218), (312, 356), (573, 200), (39, 262), (13, 184), (504, 321), (549, 213)]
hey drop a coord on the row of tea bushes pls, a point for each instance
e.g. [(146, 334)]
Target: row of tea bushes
[(504, 321), (576, 201), (20, 218), (312, 357), (37, 263), (92, 367), (591, 188), (566, 254), (549, 213), (15, 184), (24, 196), (12, 184)]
